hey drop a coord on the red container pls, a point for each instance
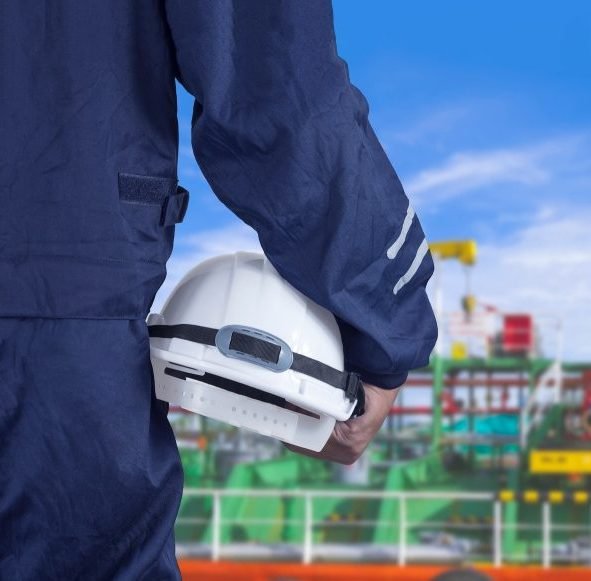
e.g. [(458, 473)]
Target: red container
[(518, 333)]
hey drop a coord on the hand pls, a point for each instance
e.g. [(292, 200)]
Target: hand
[(349, 439)]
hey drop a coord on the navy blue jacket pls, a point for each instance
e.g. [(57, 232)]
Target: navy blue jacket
[(88, 164)]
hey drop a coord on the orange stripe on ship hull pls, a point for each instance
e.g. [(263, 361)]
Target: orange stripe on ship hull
[(193, 570)]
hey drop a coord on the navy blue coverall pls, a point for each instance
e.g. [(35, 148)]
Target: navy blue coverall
[(90, 478)]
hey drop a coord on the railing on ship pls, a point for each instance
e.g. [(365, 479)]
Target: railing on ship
[(402, 506)]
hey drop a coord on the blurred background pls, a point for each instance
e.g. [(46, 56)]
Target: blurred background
[(484, 111)]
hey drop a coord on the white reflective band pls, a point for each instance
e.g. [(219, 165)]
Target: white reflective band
[(395, 248), (421, 252)]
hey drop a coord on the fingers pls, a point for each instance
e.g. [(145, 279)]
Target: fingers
[(346, 444), (350, 439), (333, 451)]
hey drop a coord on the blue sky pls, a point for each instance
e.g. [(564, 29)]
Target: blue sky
[(485, 112)]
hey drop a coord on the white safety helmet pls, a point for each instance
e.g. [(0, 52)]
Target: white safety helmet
[(237, 343)]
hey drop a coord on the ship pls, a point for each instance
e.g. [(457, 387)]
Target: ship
[(482, 470)]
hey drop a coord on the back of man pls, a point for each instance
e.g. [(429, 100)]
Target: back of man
[(90, 478), (87, 95)]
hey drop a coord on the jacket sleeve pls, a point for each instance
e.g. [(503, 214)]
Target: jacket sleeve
[(283, 138)]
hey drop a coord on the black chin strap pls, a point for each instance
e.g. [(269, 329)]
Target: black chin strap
[(268, 353)]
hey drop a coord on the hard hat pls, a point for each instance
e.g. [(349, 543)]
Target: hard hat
[(236, 342)]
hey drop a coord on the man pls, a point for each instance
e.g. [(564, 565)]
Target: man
[(90, 478)]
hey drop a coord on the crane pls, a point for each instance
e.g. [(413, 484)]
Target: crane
[(464, 251)]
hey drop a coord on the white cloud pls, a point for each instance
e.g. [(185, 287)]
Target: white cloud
[(465, 172)]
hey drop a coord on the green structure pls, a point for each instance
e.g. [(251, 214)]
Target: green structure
[(495, 466), (455, 462)]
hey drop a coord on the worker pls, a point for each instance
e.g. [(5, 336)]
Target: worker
[(90, 476)]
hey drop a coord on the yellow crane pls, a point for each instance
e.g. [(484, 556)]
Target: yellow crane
[(464, 251)]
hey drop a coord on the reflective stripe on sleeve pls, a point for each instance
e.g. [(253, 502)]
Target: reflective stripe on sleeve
[(418, 259), (395, 248)]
